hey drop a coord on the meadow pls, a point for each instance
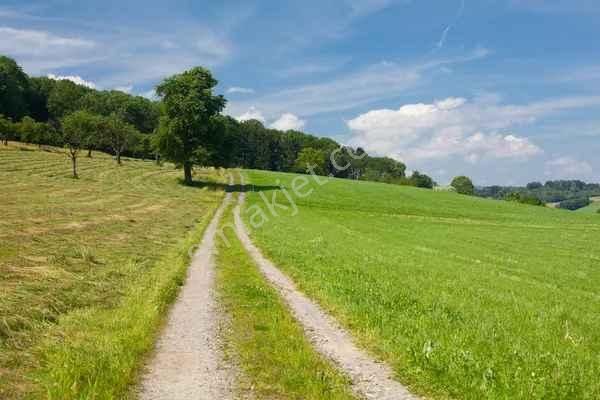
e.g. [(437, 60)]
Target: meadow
[(465, 297), (88, 267)]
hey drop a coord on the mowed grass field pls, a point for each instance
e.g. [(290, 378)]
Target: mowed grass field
[(87, 267), (466, 298)]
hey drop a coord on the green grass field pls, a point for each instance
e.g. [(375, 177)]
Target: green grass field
[(465, 297), (276, 360), (592, 208), (87, 267)]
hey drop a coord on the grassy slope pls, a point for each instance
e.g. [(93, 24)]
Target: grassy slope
[(86, 267), (465, 297), (592, 208), (277, 360)]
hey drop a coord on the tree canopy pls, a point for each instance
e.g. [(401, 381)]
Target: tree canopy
[(189, 105), (463, 185)]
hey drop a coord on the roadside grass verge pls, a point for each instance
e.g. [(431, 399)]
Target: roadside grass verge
[(466, 298), (276, 359), (87, 266)]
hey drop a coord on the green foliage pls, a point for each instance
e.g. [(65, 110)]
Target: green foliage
[(524, 198), (189, 106), (574, 204), (7, 130), (118, 134), (39, 133), (383, 169), (420, 180), (550, 192), (81, 129), (14, 89), (311, 160), (463, 185), (65, 98)]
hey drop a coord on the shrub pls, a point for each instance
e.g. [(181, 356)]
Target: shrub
[(574, 204), (524, 198)]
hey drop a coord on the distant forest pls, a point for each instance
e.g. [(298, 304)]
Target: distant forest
[(47, 111), (568, 194)]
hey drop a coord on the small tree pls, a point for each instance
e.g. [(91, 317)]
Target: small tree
[(6, 129), (311, 159), (119, 135), (189, 105), (463, 185), (421, 180), (78, 127)]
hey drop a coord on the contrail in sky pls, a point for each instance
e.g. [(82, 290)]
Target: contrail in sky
[(444, 36)]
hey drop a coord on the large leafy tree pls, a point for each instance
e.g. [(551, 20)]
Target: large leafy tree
[(189, 105), (14, 89), (311, 160)]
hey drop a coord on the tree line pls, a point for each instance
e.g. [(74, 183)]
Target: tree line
[(185, 126)]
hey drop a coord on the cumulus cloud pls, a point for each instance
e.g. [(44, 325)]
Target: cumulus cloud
[(252, 113), (242, 90), (75, 79), (450, 127), (566, 167), (288, 121)]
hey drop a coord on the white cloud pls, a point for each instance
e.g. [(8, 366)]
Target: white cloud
[(41, 51), (475, 130), (24, 42), (251, 113), (568, 168), (288, 122), (238, 89), (73, 78), (125, 89)]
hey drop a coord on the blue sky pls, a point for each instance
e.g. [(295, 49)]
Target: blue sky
[(505, 91)]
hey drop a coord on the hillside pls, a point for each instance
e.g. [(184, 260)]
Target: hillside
[(87, 266), (466, 297)]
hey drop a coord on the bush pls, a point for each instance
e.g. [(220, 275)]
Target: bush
[(574, 204), (524, 198), (463, 185)]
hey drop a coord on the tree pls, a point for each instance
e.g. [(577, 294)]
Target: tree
[(119, 135), (463, 185), (39, 133), (78, 127), (189, 105), (14, 89), (7, 129), (65, 98), (421, 180), (310, 159)]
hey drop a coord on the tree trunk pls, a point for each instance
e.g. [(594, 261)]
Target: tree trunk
[(90, 152), (157, 158), (187, 172), (5, 141), (74, 161), (119, 157)]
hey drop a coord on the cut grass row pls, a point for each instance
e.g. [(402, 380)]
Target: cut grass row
[(465, 297), (87, 267), (276, 359)]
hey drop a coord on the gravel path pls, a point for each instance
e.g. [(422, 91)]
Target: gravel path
[(370, 379), (188, 363)]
